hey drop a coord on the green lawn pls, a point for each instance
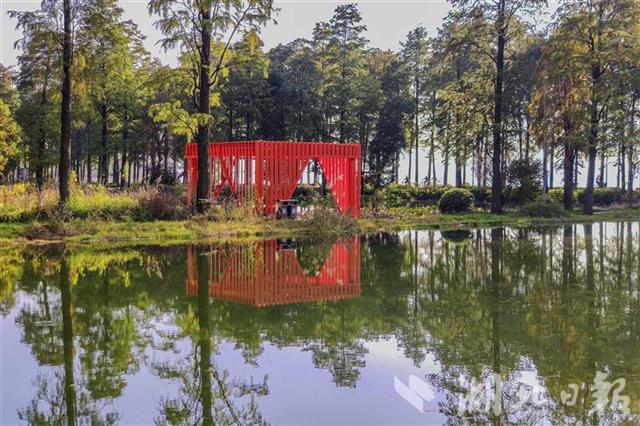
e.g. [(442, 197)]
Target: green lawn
[(92, 232)]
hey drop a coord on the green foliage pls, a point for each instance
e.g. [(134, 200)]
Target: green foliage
[(436, 93), (481, 194), (556, 195), (602, 197), (21, 203), (323, 222), (540, 209), (396, 195), (390, 135), (307, 194), (9, 137), (456, 200), (428, 195), (523, 179)]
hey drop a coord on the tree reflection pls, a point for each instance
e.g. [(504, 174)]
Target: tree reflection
[(60, 398), (492, 307), (206, 396)]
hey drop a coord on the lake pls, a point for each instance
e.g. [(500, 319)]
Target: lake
[(504, 325)]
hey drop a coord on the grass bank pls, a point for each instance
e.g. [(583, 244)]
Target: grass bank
[(102, 233)]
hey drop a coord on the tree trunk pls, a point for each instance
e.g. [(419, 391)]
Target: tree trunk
[(417, 124), (125, 139), (603, 179), (202, 192), (88, 144), (593, 139), (410, 159), (65, 109), (103, 166), (545, 151), (458, 168), (445, 172), (623, 155), (42, 144), (496, 184), (569, 162), (551, 160), (115, 171), (632, 131)]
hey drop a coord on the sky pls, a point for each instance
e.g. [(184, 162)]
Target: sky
[(387, 22)]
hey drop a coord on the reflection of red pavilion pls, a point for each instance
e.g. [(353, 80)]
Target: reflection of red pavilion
[(262, 274)]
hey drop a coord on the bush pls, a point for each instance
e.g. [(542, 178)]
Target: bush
[(523, 179), (425, 195), (456, 200), (481, 195), (306, 194), (165, 204), (602, 197), (396, 195), (324, 222), (540, 209), (556, 195)]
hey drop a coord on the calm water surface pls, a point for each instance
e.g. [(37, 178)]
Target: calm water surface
[(419, 327)]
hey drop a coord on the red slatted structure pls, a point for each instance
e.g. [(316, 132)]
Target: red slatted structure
[(270, 170), (262, 274)]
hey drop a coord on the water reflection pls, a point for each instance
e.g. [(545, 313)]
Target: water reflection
[(114, 336), (270, 272)]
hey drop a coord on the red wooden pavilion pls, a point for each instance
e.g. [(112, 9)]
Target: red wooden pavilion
[(270, 170)]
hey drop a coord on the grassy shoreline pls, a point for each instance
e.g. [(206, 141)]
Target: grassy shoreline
[(100, 233)]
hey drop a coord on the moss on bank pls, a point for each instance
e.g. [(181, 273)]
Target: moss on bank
[(94, 233)]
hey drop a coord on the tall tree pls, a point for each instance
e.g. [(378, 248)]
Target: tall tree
[(415, 55), (195, 26), (65, 109), (37, 77), (390, 139), (347, 43), (599, 34), (489, 28)]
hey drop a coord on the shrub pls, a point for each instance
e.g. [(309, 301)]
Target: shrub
[(602, 196), (230, 210), (165, 204), (305, 194), (540, 209), (481, 194), (396, 195), (456, 200), (425, 195), (556, 195), (323, 222), (523, 179)]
